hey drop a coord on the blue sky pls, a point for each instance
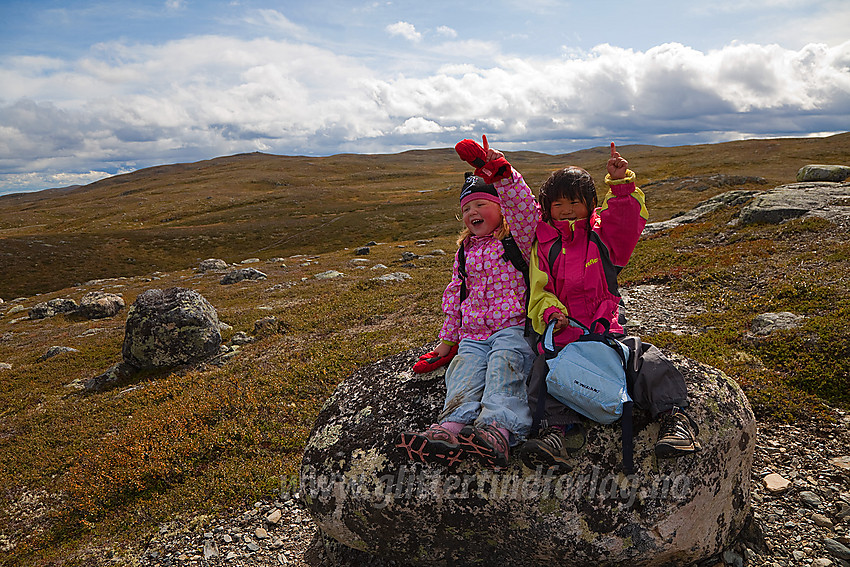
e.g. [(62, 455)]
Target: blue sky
[(90, 89)]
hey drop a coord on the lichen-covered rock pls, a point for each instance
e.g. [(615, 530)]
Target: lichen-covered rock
[(99, 305), (170, 327), (818, 172), (364, 493), (212, 265), (242, 274), (795, 200), (52, 307)]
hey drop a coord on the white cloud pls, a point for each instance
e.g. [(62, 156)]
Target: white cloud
[(128, 106), (447, 31), (405, 30), (275, 20)]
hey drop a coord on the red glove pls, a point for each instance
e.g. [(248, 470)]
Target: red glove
[(494, 170), (472, 153), (431, 361)]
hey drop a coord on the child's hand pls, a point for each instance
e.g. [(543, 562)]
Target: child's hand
[(438, 357), (491, 153), (561, 319), (617, 164)]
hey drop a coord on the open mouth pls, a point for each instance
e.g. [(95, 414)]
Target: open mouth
[(476, 222)]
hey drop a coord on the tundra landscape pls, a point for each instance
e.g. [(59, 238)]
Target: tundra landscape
[(90, 477)]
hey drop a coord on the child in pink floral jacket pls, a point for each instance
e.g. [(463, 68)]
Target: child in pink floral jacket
[(486, 409)]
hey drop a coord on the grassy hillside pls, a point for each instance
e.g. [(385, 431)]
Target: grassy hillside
[(89, 477), (168, 217)]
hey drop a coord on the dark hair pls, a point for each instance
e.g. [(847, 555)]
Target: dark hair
[(571, 183)]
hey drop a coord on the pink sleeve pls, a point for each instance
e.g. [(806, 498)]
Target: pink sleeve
[(520, 209), (621, 219)]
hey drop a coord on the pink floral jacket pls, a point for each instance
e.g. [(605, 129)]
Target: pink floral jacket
[(495, 289)]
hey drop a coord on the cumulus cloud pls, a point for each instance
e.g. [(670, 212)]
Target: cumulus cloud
[(405, 30), (123, 107), (447, 31)]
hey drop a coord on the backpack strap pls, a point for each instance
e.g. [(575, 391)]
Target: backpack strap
[(461, 271), (514, 255)]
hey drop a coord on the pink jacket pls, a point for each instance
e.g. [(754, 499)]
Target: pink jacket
[(495, 289), (578, 283)]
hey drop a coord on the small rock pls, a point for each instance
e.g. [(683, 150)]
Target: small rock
[(408, 256), (212, 265), (378, 267), (274, 517), (242, 274), (242, 338), (766, 323), (231, 555), (250, 261), (99, 305), (261, 533), (226, 538), (836, 549), (253, 547), (210, 549), (842, 462), (362, 251), (56, 350), (817, 172), (775, 483), (822, 562), (5, 366), (811, 500), (393, 277), (329, 275), (822, 521)]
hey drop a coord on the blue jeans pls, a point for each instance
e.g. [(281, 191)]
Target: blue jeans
[(485, 383)]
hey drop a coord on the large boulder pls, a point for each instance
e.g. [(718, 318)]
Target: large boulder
[(817, 172), (369, 500), (170, 327)]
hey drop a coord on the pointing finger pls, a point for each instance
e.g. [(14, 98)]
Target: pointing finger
[(486, 145), (613, 150)]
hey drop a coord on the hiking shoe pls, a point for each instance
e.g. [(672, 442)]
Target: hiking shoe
[(486, 443), (678, 435), (551, 448), (434, 445)]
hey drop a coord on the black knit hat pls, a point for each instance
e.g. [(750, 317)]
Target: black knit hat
[(475, 188)]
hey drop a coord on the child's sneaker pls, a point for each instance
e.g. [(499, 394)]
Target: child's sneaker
[(678, 435), (434, 445), (485, 442), (552, 448)]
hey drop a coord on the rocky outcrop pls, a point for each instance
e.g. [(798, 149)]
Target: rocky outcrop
[(242, 274), (366, 495), (766, 323), (52, 307), (99, 305), (816, 172), (728, 199), (830, 201), (170, 327), (212, 265)]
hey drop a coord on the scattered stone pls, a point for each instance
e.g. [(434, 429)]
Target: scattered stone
[(266, 326), (842, 462), (274, 517), (99, 305), (379, 267), (52, 307), (261, 533), (242, 274), (359, 261), (5, 366), (212, 265), (837, 549), (56, 350), (371, 243), (816, 172), (242, 338), (210, 549), (250, 261), (766, 323), (253, 546), (728, 199), (171, 327), (15, 309), (775, 483), (811, 500), (822, 562), (393, 277), (408, 256), (329, 275), (822, 521), (362, 251), (437, 252)]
